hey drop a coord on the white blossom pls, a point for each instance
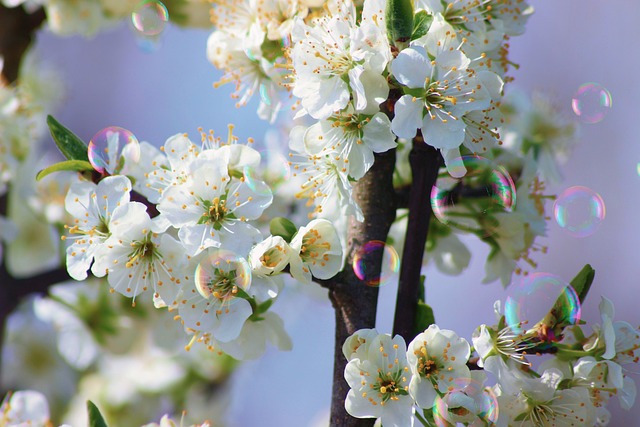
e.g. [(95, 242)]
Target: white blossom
[(379, 383)]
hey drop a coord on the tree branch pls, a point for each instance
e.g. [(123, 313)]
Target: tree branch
[(354, 302), (16, 34), (425, 162)]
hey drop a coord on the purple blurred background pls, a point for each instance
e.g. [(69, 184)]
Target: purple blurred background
[(110, 81)]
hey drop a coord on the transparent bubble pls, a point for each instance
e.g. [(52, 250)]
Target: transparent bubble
[(111, 148), (150, 17), (534, 297), (468, 402), (591, 102), (255, 182), (264, 94), (221, 275), (579, 211), (471, 203), (276, 166), (369, 255), (149, 44)]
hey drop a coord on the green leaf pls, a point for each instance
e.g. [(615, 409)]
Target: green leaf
[(582, 282), (67, 165), (399, 17), (424, 318), (421, 24), (282, 227), (72, 147), (95, 417)]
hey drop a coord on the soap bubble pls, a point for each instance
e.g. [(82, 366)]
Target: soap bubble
[(467, 402), (221, 274), (591, 102), (367, 256), (470, 203), (534, 297), (150, 17), (579, 211), (111, 148)]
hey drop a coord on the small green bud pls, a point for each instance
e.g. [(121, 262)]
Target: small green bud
[(399, 17)]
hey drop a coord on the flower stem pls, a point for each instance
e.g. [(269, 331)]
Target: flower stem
[(425, 162)]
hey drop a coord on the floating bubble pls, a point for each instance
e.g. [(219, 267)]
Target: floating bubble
[(149, 44), (221, 275), (472, 202), (467, 402), (579, 211), (369, 255), (533, 299), (591, 102), (254, 181), (150, 17), (111, 148), (276, 166), (264, 94)]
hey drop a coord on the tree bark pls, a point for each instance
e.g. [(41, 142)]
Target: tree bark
[(354, 302)]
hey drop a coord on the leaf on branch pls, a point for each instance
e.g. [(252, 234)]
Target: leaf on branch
[(424, 318), (421, 24), (95, 417), (67, 165), (582, 282), (282, 227), (72, 147)]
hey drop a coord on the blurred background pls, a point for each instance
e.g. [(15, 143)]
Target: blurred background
[(110, 80)]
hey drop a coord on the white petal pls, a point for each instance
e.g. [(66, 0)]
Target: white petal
[(408, 117), (411, 67)]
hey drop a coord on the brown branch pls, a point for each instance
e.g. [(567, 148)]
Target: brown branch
[(17, 28), (425, 162), (354, 302)]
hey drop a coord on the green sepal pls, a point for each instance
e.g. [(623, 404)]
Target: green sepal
[(67, 165), (399, 18), (424, 313), (421, 24), (263, 307), (582, 282), (424, 318), (280, 226), (95, 417), (72, 147)]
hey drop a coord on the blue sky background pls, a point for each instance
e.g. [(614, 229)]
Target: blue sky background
[(110, 81)]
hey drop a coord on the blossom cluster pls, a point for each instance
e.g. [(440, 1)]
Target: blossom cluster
[(201, 255), (429, 380), (361, 89), (88, 18)]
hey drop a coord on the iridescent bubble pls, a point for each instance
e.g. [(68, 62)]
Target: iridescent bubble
[(111, 148), (222, 275), (369, 255), (150, 17), (254, 181), (591, 102), (276, 167), (264, 94), (579, 211), (467, 402), (149, 44), (472, 202), (534, 298)]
